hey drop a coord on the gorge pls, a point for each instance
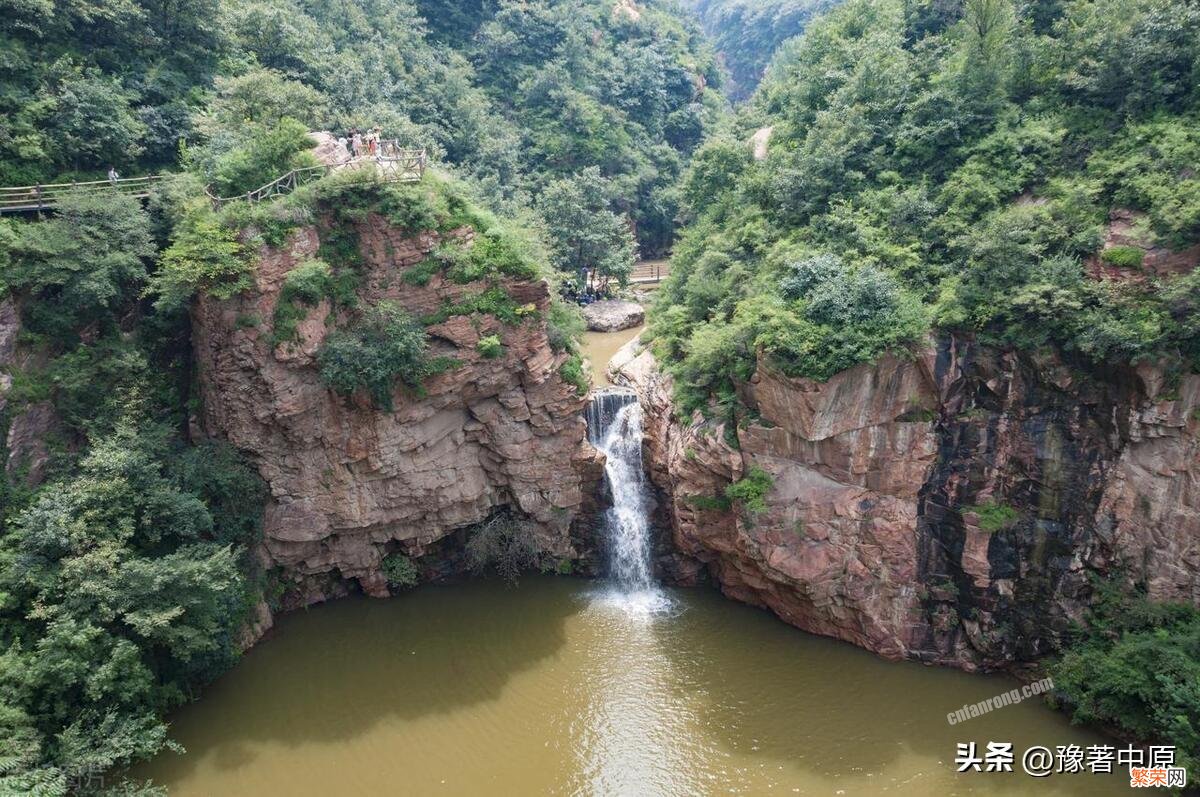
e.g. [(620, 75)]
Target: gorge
[(561, 686), (323, 471)]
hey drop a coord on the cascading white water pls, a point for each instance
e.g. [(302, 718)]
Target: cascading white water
[(615, 428)]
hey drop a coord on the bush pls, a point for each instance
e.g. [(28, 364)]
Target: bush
[(564, 327), (572, 373), (494, 301), (490, 347), (384, 346), (422, 272), (304, 286), (204, 256), (505, 543), (267, 153), (1136, 667), (80, 266), (1123, 256), (751, 490), (400, 571)]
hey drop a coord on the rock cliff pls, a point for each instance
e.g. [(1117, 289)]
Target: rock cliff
[(951, 508), (351, 483)]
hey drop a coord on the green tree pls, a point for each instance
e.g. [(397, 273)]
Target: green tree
[(80, 265), (586, 238)]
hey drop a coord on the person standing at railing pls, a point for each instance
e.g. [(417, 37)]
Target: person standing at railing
[(356, 143), (113, 176)]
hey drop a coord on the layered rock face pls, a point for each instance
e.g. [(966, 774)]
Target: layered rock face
[(952, 508), (351, 483)]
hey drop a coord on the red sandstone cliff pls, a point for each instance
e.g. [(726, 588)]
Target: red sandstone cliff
[(868, 534), (349, 482)]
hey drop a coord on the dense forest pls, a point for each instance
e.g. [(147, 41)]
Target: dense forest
[(958, 168), (746, 34), (512, 94), (126, 560)]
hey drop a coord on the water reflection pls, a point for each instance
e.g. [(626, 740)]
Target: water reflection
[(561, 687)]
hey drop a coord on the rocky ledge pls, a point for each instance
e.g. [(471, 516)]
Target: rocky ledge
[(351, 483), (949, 508)]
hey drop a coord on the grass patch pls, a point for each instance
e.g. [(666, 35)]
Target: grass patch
[(490, 347), (383, 347), (493, 301), (1123, 256), (572, 372), (994, 516), (709, 503)]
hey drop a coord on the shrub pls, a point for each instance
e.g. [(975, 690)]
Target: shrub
[(751, 490), (572, 372), (1123, 256), (307, 283), (564, 327), (203, 256), (80, 266), (400, 571), (422, 272), (709, 503), (994, 516), (267, 153), (1136, 667), (384, 346), (493, 301), (490, 347), (505, 543), (304, 286)]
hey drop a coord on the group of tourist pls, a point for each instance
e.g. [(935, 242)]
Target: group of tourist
[(363, 145)]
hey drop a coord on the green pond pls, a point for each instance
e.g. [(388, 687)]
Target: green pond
[(564, 686)]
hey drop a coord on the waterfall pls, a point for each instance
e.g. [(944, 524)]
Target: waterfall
[(615, 428)]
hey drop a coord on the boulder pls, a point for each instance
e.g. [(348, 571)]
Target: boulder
[(329, 150), (613, 315)]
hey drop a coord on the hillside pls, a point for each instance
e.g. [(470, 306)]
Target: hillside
[(520, 94), (930, 172), (747, 33)]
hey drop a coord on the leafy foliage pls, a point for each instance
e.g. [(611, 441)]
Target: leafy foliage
[(79, 266), (994, 516), (400, 571), (750, 491), (204, 255), (588, 241), (748, 32), (384, 346), (124, 589), (490, 347), (1136, 667), (941, 165)]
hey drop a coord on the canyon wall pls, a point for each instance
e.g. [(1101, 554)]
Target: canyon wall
[(950, 508), (351, 483)]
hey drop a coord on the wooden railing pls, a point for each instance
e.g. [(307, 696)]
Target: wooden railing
[(392, 165), (41, 197), (649, 271)]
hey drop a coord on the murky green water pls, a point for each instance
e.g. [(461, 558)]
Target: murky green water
[(552, 688), (599, 348)]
